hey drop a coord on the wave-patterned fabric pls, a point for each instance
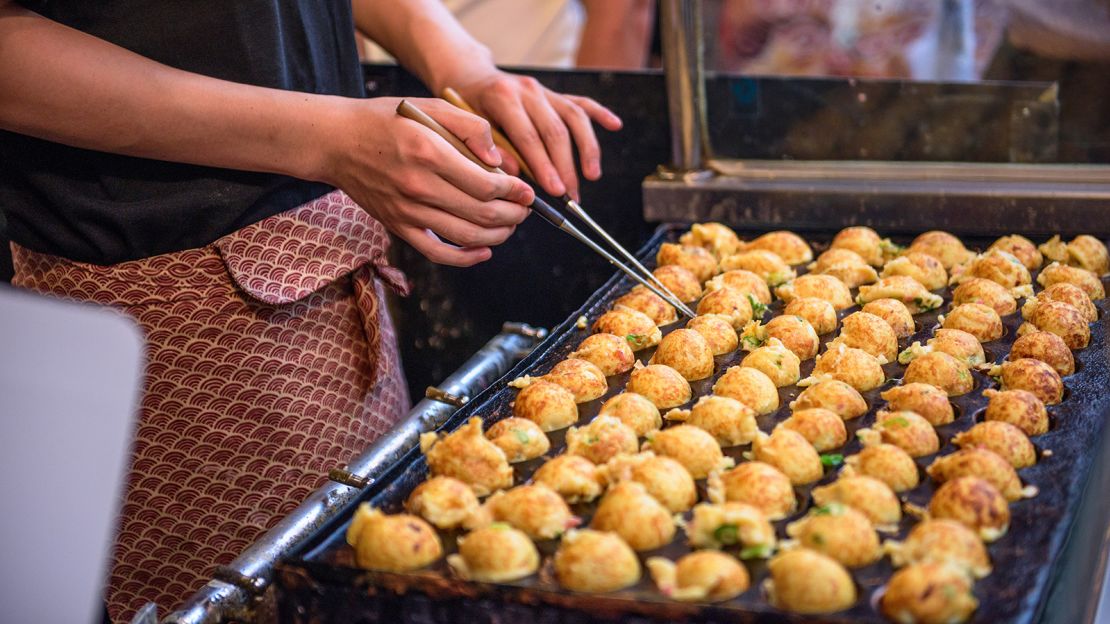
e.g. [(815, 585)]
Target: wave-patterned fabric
[(270, 358)]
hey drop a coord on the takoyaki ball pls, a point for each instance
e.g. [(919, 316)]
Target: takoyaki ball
[(765, 264), (869, 496), (1054, 250), (895, 313), (601, 440), (820, 314), (608, 352), (497, 553), (795, 333), (394, 543), (839, 532), (774, 360), (535, 509), (704, 575), (1061, 319), (584, 380), (833, 395), (686, 351), (636, 327), (985, 292), (906, 430), (862, 330), (786, 245), (468, 456), (718, 332), (718, 238), (820, 427), (651, 304), (976, 319), (942, 541), (855, 367), (833, 257), (749, 386), (547, 404), (1084, 251), (789, 452), (853, 274), (973, 502), (941, 370), (697, 260), (729, 421), (680, 281), (929, 402), (862, 240), (805, 581), (942, 246), (982, 463), (1020, 408), (728, 302), (664, 478), (1086, 281), (905, 289), (1006, 440), (1021, 248), (445, 502), (887, 463), (757, 484), (744, 281), (629, 511), (661, 384), (1064, 293), (824, 287), (921, 267), (520, 439), (596, 562), (634, 410), (1032, 375), (959, 344), (929, 593), (728, 524), (694, 448), (1046, 347), (575, 478)]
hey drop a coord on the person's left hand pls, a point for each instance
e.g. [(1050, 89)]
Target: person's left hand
[(541, 124)]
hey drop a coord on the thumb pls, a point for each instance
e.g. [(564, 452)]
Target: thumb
[(471, 130)]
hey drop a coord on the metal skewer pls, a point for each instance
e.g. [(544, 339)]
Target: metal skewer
[(410, 111)]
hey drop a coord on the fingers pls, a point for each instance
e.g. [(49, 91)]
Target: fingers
[(431, 247), (602, 115), (460, 231), (556, 138), (487, 211), (589, 152), (506, 106), (472, 129)]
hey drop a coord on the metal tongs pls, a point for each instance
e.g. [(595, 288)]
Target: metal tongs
[(554, 217)]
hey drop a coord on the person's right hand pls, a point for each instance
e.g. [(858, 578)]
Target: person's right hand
[(421, 188)]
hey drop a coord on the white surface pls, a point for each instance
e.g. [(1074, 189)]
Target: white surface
[(69, 384)]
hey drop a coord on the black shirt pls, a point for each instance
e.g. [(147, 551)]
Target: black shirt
[(102, 208)]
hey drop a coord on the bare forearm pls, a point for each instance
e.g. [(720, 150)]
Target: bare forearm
[(617, 34)]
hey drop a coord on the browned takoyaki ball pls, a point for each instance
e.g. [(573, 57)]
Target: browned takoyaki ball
[(833, 395), (601, 440), (824, 287), (795, 333), (862, 240), (929, 402), (595, 562), (1020, 408), (728, 302), (749, 386), (929, 592), (716, 525), (789, 452), (786, 245), (575, 478), (959, 344), (835, 256), (871, 497), (1032, 375), (1021, 248), (1005, 439), (855, 367), (906, 430), (909, 291), (941, 370), (680, 281), (975, 503), (651, 304), (634, 410), (468, 456), (846, 266), (547, 404), (661, 384), (718, 332), (729, 421), (520, 439), (895, 313), (840, 532), (942, 541), (820, 427), (920, 266), (744, 281), (664, 478), (862, 330), (703, 575), (395, 543), (1046, 347), (1061, 319), (629, 511), (585, 381), (976, 319), (496, 553), (887, 463), (1064, 293), (774, 360), (805, 581), (686, 351), (757, 484), (1084, 251), (718, 238), (1086, 281), (820, 314), (445, 502), (763, 263), (985, 292), (697, 260), (982, 463), (608, 352), (535, 509), (996, 265), (942, 246), (635, 326), (694, 448)]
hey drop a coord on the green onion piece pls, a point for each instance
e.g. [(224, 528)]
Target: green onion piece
[(831, 459), (759, 551), (727, 534), (897, 422)]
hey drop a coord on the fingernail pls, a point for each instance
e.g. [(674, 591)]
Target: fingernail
[(556, 185)]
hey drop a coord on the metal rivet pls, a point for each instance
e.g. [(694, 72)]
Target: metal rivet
[(348, 478), (436, 394), (524, 329)]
